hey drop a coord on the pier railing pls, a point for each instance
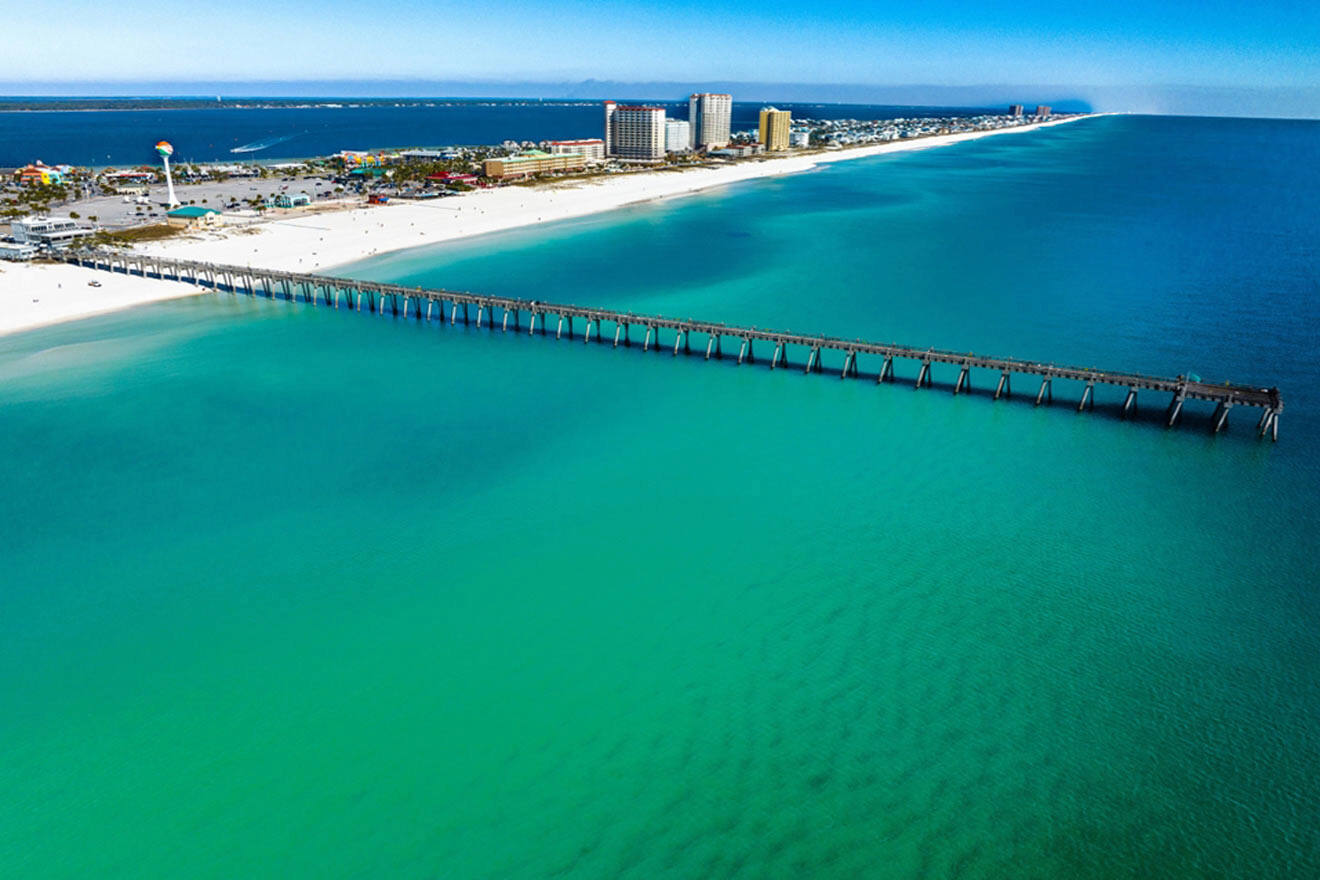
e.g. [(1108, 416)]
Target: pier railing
[(430, 304)]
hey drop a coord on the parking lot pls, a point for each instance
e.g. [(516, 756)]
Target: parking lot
[(117, 212)]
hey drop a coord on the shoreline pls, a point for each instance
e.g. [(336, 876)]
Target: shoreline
[(36, 295)]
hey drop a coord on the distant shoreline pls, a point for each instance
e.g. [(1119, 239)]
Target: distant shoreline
[(323, 104), (319, 242), (305, 242)]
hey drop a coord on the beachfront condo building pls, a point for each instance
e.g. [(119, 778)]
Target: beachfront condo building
[(711, 118), (532, 162), (774, 129), (1043, 110), (593, 149), (1015, 110), (634, 132), (678, 136)]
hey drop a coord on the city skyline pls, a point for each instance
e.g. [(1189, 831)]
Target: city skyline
[(1170, 56)]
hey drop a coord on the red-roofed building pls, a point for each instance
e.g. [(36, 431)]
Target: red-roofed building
[(454, 177), (38, 174)]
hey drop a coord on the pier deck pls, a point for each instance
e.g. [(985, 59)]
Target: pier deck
[(422, 303)]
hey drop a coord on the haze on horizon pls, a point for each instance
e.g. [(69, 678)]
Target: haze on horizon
[(1167, 56)]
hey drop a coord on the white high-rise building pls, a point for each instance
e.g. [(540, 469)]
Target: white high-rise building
[(634, 132), (711, 118), (678, 136)]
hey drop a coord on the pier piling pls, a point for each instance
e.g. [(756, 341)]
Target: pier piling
[(923, 377), (1087, 397), (1220, 418), (964, 379), (1046, 391), (1175, 409)]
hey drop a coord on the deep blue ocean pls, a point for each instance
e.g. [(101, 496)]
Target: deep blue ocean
[(126, 137), (295, 592)]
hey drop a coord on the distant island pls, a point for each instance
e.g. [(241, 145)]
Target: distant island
[(20, 104)]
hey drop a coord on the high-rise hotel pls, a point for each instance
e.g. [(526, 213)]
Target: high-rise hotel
[(633, 132), (774, 129), (678, 136), (711, 118)]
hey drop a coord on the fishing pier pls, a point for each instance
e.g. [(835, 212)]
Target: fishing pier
[(684, 336)]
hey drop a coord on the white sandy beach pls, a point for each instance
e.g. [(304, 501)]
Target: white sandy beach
[(35, 295)]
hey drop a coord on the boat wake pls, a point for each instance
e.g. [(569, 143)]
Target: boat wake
[(256, 146)]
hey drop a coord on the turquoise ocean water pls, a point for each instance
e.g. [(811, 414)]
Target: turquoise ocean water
[(292, 592)]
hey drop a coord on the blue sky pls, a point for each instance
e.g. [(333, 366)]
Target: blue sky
[(1272, 45)]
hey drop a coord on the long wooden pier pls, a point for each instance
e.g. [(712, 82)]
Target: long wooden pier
[(430, 304)]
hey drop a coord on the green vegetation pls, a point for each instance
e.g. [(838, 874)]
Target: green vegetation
[(33, 200), (126, 237), (417, 172), (553, 177)]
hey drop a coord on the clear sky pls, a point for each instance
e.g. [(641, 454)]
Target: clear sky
[(1269, 44)]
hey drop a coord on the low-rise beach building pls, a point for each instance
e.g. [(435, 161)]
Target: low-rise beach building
[(17, 251), (799, 139), (39, 174), (360, 158), (290, 200), (591, 149), (452, 177), (118, 179), (192, 217), (532, 162), (48, 232), (738, 151), (426, 155), (235, 170)]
